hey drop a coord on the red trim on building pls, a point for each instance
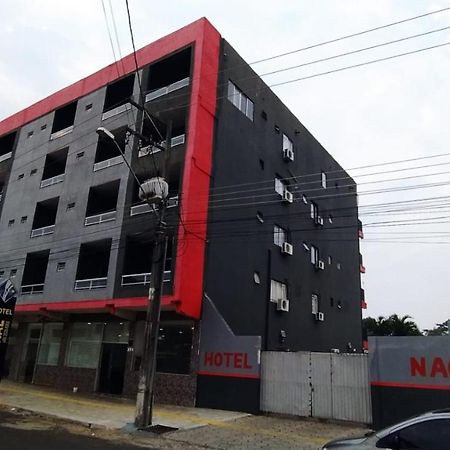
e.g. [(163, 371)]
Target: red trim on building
[(363, 304), (90, 305), (362, 268), (226, 374), (411, 385), (190, 263)]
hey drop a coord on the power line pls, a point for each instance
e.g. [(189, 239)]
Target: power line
[(348, 36)]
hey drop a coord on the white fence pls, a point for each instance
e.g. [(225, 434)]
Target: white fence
[(322, 385)]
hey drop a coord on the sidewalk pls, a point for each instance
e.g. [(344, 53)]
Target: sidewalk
[(107, 412)]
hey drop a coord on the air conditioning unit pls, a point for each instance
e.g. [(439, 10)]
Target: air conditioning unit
[(288, 197), (319, 220), (288, 154), (320, 265), (287, 249), (320, 316), (283, 304)]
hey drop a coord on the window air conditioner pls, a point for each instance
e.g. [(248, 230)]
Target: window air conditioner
[(320, 265), (319, 220), (287, 249), (288, 197), (320, 316), (283, 304), (288, 154)]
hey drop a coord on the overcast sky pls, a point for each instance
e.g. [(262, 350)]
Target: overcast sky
[(389, 111)]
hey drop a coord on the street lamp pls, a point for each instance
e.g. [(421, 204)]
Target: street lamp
[(154, 190)]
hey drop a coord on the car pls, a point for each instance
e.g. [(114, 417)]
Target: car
[(430, 431)]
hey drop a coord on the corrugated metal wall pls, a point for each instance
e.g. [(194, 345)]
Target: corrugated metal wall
[(322, 385)]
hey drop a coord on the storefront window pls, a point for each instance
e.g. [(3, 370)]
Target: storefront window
[(84, 345), (117, 332), (174, 348), (50, 344)]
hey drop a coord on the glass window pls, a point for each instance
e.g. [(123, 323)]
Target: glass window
[(174, 348), (241, 101), (280, 186), (430, 435), (279, 235), (117, 332), (314, 211), (314, 254), (278, 291), (84, 345), (324, 180), (314, 303), (50, 344), (287, 143)]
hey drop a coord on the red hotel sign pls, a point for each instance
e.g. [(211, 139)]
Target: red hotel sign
[(235, 360)]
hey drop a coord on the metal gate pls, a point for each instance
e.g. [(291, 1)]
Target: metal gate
[(322, 385)]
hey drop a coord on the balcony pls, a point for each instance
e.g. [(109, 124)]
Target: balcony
[(167, 89), (53, 180), (61, 133), (5, 157), (145, 208), (142, 279), (150, 150), (108, 163), (116, 111), (100, 218), (43, 231), (91, 283), (30, 289)]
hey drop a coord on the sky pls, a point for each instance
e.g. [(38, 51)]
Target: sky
[(379, 113)]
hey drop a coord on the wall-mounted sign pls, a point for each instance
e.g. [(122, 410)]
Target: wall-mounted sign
[(8, 297)]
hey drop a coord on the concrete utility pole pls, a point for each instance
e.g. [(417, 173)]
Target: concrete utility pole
[(155, 192), (146, 384)]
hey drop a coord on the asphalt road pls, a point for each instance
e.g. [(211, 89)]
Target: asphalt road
[(20, 432)]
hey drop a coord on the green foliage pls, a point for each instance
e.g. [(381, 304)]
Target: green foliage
[(390, 326), (440, 329)]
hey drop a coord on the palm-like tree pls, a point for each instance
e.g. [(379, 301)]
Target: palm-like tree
[(391, 326)]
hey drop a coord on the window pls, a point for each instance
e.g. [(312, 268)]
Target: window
[(279, 235), (280, 186), (13, 273), (330, 260), (30, 133), (84, 345), (71, 205), (256, 278), (278, 291), (20, 176), (60, 266), (324, 180), (315, 304), (80, 155), (314, 211), (430, 435), (33, 171), (305, 246), (50, 344), (338, 265), (2, 272), (330, 218), (11, 222), (23, 219), (314, 255), (304, 199), (43, 127), (88, 107), (240, 100), (287, 143)]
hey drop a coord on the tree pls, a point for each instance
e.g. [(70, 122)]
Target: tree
[(440, 329), (390, 326)]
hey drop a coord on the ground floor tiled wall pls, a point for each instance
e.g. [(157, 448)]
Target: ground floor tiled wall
[(66, 378)]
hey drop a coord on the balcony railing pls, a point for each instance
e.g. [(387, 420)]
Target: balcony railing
[(114, 112), (50, 229), (167, 89), (91, 283), (5, 156), (32, 289), (150, 149), (108, 163), (100, 218), (142, 279), (144, 208), (61, 133), (53, 180)]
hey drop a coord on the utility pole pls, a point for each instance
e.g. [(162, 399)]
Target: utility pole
[(154, 191), (145, 393)]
